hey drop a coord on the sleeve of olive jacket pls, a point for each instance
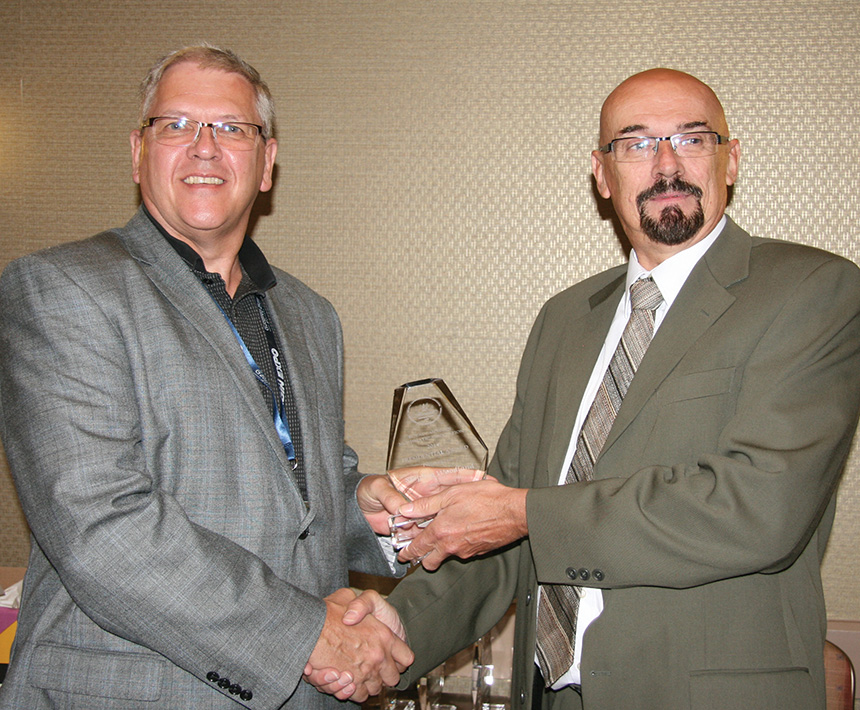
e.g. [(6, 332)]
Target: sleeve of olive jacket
[(733, 459)]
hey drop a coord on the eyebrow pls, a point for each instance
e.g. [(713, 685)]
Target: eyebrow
[(638, 128)]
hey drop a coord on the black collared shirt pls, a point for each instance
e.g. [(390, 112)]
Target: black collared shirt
[(257, 278)]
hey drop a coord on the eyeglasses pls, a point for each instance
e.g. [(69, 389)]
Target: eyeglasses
[(636, 149), (181, 132)]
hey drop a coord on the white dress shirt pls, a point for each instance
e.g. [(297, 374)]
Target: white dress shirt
[(670, 277)]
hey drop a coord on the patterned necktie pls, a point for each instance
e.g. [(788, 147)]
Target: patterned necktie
[(559, 603)]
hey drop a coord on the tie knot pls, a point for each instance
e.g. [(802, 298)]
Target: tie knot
[(644, 295)]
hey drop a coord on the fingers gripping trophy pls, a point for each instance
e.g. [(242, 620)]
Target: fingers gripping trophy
[(431, 443)]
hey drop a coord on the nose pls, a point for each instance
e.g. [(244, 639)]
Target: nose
[(666, 160), (205, 145)]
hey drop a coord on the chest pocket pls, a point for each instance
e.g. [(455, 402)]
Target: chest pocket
[(698, 384), (691, 413)]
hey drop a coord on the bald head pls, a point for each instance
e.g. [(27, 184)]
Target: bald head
[(657, 92)]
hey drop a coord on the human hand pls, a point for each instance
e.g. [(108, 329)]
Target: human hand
[(378, 500), (368, 603), (353, 660), (468, 520), (372, 602), (379, 497), (420, 481)]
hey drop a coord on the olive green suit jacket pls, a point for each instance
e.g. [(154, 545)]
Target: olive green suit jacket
[(712, 500)]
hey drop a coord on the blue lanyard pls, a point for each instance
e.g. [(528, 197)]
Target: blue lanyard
[(278, 413)]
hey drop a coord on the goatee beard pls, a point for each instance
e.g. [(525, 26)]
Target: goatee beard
[(673, 227)]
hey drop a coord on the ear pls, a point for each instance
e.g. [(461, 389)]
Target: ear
[(598, 169), (136, 141), (269, 153), (734, 159)]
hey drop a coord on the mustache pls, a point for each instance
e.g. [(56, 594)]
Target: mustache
[(663, 186)]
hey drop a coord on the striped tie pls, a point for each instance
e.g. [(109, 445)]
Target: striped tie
[(559, 603)]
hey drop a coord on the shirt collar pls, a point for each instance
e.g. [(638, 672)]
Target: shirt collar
[(671, 274), (251, 257)]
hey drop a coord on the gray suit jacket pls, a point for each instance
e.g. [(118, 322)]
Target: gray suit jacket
[(167, 529), (713, 496)]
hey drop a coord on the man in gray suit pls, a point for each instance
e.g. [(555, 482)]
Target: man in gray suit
[(693, 538), (171, 412)]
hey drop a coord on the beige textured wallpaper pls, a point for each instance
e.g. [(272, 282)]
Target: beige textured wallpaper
[(433, 176)]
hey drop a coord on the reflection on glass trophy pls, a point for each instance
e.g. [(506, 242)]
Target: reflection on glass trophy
[(482, 673), (426, 694), (428, 429)]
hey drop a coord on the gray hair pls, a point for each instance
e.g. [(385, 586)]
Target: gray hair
[(210, 57)]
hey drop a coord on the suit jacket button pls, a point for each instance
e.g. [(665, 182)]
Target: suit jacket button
[(584, 574), (303, 535), (572, 572), (246, 695), (598, 575), (223, 683), (528, 598), (234, 689), (212, 676)]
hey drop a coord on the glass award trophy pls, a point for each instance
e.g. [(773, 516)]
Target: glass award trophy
[(429, 431)]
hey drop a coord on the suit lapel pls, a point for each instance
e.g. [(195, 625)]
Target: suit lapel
[(578, 350), (165, 268), (700, 303)]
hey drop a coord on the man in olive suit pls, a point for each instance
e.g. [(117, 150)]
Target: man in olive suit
[(665, 481)]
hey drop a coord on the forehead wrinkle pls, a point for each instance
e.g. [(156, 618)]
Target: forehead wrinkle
[(186, 111), (173, 96), (639, 129), (660, 92)]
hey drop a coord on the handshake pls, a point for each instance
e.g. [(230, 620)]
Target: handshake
[(361, 648), (363, 644)]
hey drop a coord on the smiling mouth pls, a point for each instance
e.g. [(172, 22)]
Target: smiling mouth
[(200, 180)]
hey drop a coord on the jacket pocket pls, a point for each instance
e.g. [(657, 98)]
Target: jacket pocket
[(690, 413), (101, 674), (762, 689), (699, 384)]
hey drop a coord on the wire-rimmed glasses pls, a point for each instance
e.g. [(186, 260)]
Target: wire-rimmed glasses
[(635, 149), (181, 132)]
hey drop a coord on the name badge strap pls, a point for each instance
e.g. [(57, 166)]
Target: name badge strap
[(281, 425), (273, 352)]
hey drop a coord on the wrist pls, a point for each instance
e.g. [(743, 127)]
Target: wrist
[(518, 511)]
